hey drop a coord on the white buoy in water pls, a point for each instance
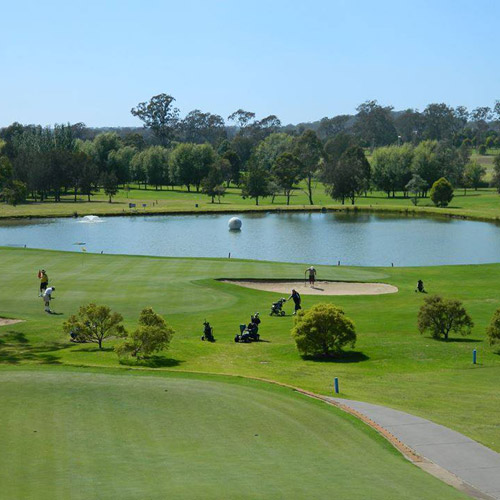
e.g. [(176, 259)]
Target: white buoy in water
[(234, 224)]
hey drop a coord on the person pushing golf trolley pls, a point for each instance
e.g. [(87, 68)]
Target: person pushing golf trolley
[(295, 296), (312, 275)]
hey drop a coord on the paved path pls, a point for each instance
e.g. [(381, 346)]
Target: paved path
[(470, 461)]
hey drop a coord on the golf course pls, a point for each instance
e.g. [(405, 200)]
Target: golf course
[(113, 421)]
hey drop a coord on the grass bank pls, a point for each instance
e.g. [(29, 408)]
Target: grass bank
[(483, 204)]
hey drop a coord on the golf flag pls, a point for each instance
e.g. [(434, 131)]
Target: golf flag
[(84, 249)]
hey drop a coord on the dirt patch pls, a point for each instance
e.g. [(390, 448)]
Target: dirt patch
[(5, 321), (320, 287)]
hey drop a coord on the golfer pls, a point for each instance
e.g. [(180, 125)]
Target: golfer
[(44, 281), (47, 297), (312, 275), (296, 300)]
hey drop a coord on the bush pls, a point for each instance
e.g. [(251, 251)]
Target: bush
[(323, 331), (441, 192), (152, 335), (441, 316), (493, 330), (482, 149)]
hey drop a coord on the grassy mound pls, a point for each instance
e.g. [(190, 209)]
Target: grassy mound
[(94, 435)]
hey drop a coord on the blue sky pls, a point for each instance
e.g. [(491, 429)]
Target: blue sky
[(91, 61)]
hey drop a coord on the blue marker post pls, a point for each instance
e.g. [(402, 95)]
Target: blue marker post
[(474, 356), (336, 384)]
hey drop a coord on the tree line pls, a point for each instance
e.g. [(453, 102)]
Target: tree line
[(410, 151)]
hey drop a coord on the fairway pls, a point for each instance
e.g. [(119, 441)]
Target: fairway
[(78, 435), (392, 364)]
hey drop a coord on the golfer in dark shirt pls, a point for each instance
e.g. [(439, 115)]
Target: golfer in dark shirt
[(296, 299)]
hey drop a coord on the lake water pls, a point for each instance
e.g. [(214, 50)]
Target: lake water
[(365, 240)]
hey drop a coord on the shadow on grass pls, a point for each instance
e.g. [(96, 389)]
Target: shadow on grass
[(94, 348), (458, 340), (344, 357), (152, 362), (15, 348)]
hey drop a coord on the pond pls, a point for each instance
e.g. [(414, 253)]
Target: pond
[(319, 238)]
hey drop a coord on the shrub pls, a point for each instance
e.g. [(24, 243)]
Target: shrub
[(441, 316), (493, 330), (441, 192), (152, 335), (323, 331)]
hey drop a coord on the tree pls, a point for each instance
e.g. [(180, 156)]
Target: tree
[(204, 159), (331, 127), (159, 115), (109, 184), (120, 162), (152, 335), (374, 124), (440, 122), (495, 181), (270, 148), (309, 150), (212, 183), (241, 117), (472, 174), (104, 145), (441, 316), (95, 323), (416, 187), (182, 165), (235, 164), (323, 330), (337, 146), (493, 330), (425, 163), (256, 183), (441, 192), (14, 193), (392, 168), (286, 170), (349, 177), (199, 127), (155, 163)]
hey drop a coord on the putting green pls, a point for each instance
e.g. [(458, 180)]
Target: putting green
[(79, 435)]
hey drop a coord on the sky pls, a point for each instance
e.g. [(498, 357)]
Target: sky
[(92, 61)]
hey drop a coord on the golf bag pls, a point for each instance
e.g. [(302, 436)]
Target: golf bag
[(277, 307), (208, 332)]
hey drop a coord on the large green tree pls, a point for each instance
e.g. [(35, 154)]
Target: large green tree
[(309, 150), (256, 183), (159, 115), (286, 171)]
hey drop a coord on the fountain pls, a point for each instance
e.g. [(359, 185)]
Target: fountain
[(91, 219)]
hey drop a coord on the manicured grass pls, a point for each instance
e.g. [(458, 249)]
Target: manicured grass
[(392, 363), (480, 204), (86, 435)]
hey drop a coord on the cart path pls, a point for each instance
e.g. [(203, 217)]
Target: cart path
[(468, 460)]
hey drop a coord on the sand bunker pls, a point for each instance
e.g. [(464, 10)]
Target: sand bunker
[(320, 288), (5, 321)]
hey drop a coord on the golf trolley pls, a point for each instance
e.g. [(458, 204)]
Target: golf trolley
[(277, 307), (208, 332)]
